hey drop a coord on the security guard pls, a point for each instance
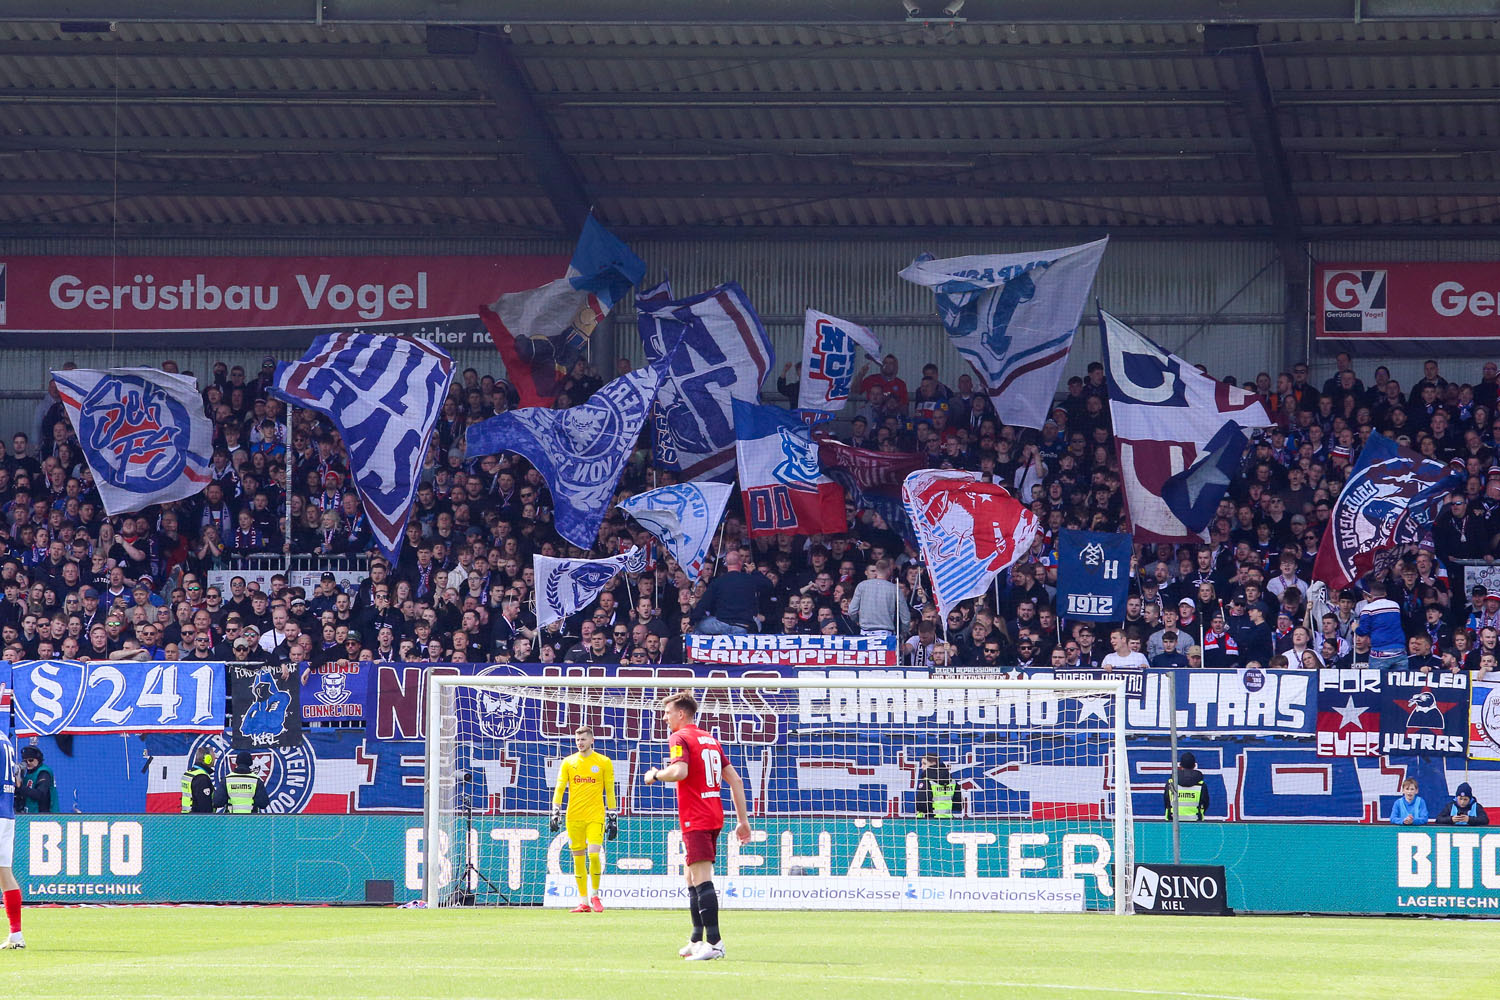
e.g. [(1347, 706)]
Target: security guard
[(938, 795), (241, 791), (198, 783), (1188, 789)]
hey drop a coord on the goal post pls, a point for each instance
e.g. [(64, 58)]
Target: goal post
[(867, 790)]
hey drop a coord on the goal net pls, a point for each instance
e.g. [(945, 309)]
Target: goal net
[(866, 791)]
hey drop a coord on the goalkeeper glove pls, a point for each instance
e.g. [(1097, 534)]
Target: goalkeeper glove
[(611, 826), (556, 823)]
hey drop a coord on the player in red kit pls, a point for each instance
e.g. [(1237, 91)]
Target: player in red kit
[(700, 769)]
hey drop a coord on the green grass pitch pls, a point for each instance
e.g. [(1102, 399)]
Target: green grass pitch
[(148, 953)]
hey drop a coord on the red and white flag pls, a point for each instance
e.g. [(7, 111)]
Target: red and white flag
[(969, 530)]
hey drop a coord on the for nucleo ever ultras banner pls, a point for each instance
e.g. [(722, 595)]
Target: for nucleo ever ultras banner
[(157, 302), (1404, 307)]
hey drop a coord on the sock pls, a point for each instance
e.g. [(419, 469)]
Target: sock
[(580, 875), (13, 909), (708, 908), (697, 916), (596, 869)]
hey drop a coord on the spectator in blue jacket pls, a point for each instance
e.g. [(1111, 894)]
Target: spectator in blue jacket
[(732, 601), (1381, 621), (1410, 809)]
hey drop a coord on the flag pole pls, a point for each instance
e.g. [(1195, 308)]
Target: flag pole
[(288, 456)]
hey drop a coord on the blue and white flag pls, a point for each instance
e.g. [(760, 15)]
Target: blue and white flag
[(684, 517), (716, 351), (564, 586), (1193, 494), (1093, 575), (781, 478), (1012, 317), (829, 346), (116, 696), (384, 395), (581, 451), (540, 332), (143, 433), (1169, 418)]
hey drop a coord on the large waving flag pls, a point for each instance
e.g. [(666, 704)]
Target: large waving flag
[(783, 485), (872, 479), (540, 332), (684, 517), (1169, 418), (968, 530), (580, 452), (829, 346), (564, 586), (142, 431), (1012, 317), (716, 351), (1389, 501), (384, 395)]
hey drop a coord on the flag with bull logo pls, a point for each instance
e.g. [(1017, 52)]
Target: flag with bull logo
[(143, 433), (969, 530), (564, 586), (540, 332), (829, 346), (1012, 317), (1170, 418), (384, 395), (684, 516), (785, 490), (580, 452), (715, 351), (1389, 501)]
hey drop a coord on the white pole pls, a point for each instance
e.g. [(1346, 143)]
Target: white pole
[(1124, 838)]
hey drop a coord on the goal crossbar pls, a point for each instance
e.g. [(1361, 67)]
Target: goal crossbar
[(1114, 688)]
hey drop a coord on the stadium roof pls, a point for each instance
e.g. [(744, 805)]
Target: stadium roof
[(1290, 120)]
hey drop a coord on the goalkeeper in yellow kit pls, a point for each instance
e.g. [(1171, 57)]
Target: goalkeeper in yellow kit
[(589, 780)]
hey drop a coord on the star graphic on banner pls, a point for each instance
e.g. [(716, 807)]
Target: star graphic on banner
[(1207, 475), (1090, 705), (1349, 715)]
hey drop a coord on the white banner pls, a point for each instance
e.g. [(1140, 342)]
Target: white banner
[(308, 579), (819, 892)]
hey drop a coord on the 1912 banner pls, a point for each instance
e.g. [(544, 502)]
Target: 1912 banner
[(1405, 307), (212, 301)]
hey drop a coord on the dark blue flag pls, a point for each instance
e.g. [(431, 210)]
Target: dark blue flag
[(1193, 494), (1093, 575)]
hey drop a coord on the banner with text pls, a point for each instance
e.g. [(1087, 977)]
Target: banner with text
[(336, 692), (1404, 308), (793, 650), (160, 302), (266, 712), (115, 696)]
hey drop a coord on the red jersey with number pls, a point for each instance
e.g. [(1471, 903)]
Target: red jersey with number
[(700, 803)]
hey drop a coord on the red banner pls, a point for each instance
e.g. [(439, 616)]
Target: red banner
[(284, 301), (1388, 303)]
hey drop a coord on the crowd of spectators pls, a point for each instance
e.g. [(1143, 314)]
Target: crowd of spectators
[(80, 584)]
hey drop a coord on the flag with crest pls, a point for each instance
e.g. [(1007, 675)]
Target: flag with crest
[(564, 586), (581, 451), (785, 490), (684, 516), (968, 530), (1013, 316), (143, 433)]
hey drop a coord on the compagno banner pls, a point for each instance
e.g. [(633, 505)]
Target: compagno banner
[(206, 301)]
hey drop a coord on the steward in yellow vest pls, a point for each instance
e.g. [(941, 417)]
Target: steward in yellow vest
[(242, 791)]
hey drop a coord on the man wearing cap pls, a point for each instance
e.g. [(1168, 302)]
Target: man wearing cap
[(1463, 809), (1186, 794), (241, 791), (36, 789), (1461, 533), (1487, 614)]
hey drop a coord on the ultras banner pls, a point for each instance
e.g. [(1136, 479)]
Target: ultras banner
[(161, 302)]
